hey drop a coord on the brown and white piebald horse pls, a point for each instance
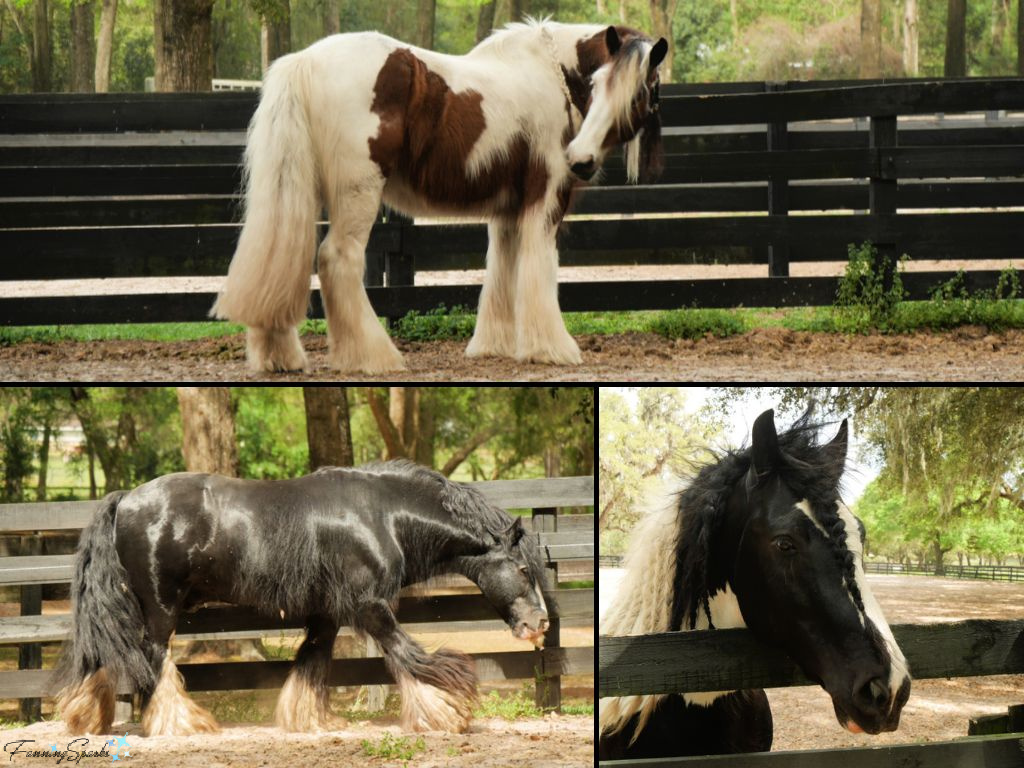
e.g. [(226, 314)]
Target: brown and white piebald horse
[(504, 132)]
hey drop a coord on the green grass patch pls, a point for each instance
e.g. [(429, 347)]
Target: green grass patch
[(436, 325), (394, 747), (697, 324), (6, 725), (581, 708), (514, 706), (581, 584)]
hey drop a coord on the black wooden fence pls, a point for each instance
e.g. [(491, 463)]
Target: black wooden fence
[(732, 659), (990, 572), (145, 185)]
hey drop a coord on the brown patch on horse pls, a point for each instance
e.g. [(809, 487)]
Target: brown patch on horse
[(427, 132)]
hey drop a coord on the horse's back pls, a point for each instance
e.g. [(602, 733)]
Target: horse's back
[(736, 722)]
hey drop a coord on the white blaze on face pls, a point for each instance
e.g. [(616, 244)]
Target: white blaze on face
[(872, 610), (897, 664)]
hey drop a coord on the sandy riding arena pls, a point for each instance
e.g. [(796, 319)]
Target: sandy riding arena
[(938, 709), (554, 741)]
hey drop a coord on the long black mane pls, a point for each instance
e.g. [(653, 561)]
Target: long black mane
[(810, 468)]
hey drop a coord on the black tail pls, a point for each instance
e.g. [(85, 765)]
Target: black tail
[(107, 624)]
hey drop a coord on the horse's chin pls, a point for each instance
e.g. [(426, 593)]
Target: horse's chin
[(534, 636)]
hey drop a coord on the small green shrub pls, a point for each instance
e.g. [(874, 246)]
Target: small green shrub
[(866, 299)]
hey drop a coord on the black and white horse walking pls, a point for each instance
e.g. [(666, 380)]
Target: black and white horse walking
[(334, 547), (758, 539)]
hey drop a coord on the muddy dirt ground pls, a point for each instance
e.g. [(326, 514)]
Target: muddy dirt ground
[(939, 709), (770, 354)]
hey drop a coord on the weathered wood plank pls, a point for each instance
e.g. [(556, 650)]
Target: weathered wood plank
[(36, 569), (1006, 751), (225, 676), (732, 659)]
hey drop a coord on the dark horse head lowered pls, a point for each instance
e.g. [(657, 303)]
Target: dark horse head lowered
[(333, 548), (761, 539)]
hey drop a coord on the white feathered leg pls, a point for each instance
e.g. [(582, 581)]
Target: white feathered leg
[(357, 340), (495, 332), (541, 336)]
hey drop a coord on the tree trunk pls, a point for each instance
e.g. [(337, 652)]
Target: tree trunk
[(485, 21), (425, 23), (870, 39), (208, 430), (956, 39), (661, 26), (93, 491), (518, 9), (276, 35), (44, 463), (327, 427), (940, 568), (42, 48), (183, 43), (332, 17), (910, 55), (83, 46), (735, 18), (105, 45), (1020, 38)]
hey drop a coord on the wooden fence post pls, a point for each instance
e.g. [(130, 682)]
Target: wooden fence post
[(399, 266), (778, 191), (882, 192), (30, 655), (548, 689)]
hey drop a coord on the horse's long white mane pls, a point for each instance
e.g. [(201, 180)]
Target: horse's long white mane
[(643, 604)]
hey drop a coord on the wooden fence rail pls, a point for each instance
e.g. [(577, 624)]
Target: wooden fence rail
[(732, 659), (144, 185)]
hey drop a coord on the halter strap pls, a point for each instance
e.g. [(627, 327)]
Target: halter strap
[(553, 50)]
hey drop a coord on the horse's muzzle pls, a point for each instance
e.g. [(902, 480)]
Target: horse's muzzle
[(584, 171), (535, 635)]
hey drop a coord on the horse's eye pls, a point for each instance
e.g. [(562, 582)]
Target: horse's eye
[(784, 543), (524, 570)]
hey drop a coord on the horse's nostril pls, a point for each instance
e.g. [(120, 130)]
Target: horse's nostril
[(544, 624), (874, 694), (583, 170), (879, 692)]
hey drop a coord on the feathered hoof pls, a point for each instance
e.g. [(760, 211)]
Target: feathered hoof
[(171, 712), (564, 352), (274, 349), (382, 360), (428, 708), (482, 346), (300, 710), (88, 707)]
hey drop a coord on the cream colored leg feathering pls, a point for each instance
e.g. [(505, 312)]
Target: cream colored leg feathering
[(301, 709), (171, 712), (89, 706), (428, 708)]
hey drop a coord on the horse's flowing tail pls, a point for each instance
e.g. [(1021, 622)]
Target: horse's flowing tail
[(268, 281), (104, 648)]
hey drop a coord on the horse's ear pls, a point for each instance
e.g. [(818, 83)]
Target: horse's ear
[(657, 54), (837, 445), (517, 531), (611, 39), (835, 451), (764, 451)]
